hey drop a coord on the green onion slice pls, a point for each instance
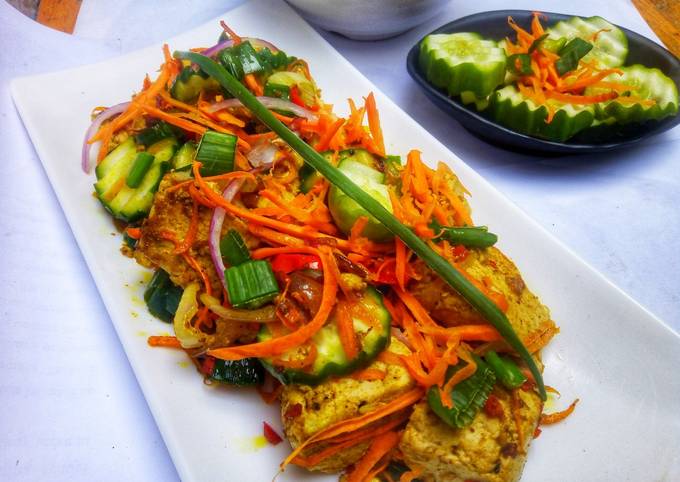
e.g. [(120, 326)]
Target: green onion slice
[(139, 169), (216, 152), (441, 266), (251, 284)]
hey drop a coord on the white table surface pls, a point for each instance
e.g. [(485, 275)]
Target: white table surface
[(71, 408)]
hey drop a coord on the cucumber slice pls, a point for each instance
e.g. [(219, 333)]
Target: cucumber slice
[(462, 62), (646, 84), (610, 48), (184, 157), (511, 109), (290, 79), (125, 202), (373, 335), (346, 211), (113, 170)]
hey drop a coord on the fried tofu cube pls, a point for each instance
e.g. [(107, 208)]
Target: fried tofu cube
[(490, 449), (527, 315), (337, 399)]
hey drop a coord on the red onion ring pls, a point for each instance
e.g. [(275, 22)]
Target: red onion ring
[(270, 103), (106, 114), (262, 153), (216, 229), (209, 52)]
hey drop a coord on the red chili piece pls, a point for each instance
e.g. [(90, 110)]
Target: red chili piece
[(271, 435), (287, 263)]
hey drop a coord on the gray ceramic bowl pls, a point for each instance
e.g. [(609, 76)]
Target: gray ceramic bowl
[(368, 19)]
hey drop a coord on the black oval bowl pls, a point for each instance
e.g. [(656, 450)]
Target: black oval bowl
[(494, 25)]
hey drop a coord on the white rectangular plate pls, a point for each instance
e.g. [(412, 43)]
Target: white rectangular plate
[(612, 354)]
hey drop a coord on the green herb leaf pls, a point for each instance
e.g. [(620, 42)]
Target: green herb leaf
[(233, 248), (469, 396), (570, 54), (537, 43), (520, 64)]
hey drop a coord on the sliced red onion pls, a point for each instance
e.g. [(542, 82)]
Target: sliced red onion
[(209, 52), (216, 229), (218, 220), (270, 103), (256, 42), (106, 114), (262, 153)]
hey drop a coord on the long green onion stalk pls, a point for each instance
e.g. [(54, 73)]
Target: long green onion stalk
[(437, 263)]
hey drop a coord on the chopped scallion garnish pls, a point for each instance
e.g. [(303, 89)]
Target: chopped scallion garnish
[(139, 169), (251, 284), (216, 152)]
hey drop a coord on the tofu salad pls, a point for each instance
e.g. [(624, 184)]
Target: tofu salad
[(292, 253)]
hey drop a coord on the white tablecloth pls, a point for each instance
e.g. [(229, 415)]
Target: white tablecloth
[(71, 408)]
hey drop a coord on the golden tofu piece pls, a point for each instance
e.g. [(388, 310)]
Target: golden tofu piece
[(527, 315), (490, 449), (339, 399)]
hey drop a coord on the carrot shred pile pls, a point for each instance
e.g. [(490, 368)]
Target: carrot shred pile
[(546, 87)]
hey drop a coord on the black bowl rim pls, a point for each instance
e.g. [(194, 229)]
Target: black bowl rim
[(536, 143)]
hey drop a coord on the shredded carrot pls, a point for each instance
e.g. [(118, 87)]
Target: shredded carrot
[(410, 475), (369, 374), (351, 439), (190, 236), (197, 267), (230, 32), (324, 140), (277, 346), (400, 263), (416, 308), (253, 84), (380, 446), (174, 120), (390, 358), (273, 236), (374, 123), (550, 418), (299, 364), (464, 332), (346, 331), (283, 118), (403, 401), (466, 372), (164, 341)]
